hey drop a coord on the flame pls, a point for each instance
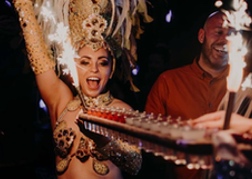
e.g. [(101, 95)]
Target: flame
[(237, 52), (239, 20), (60, 35), (46, 12)]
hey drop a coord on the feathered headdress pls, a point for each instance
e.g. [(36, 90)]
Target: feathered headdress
[(68, 25)]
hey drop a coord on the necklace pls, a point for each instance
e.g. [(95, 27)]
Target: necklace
[(99, 101)]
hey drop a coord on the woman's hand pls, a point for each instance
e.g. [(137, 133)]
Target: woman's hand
[(238, 123)]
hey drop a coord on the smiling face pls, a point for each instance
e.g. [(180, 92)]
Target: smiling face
[(94, 70), (214, 43)]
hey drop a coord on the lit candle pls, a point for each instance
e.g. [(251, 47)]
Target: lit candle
[(59, 39), (238, 19)]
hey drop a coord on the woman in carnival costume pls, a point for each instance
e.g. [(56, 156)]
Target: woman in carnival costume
[(83, 38)]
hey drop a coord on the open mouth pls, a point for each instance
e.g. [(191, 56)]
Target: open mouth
[(221, 50), (93, 82)]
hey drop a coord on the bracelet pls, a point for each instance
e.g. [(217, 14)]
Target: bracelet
[(37, 51), (125, 156)]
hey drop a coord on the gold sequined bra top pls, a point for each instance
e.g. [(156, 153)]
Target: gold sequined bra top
[(125, 156)]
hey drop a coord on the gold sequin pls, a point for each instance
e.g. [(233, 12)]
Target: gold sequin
[(100, 168), (63, 164), (63, 138), (37, 51)]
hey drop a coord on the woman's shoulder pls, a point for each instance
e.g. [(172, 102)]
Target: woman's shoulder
[(120, 104)]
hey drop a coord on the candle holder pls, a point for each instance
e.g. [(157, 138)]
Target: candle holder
[(229, 110)]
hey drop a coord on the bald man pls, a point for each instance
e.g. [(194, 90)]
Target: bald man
[(195, 89)]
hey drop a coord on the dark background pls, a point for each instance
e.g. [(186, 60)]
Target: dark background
[(176, 41)]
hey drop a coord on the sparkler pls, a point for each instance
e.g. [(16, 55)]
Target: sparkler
[(59, 36), (238, 19)]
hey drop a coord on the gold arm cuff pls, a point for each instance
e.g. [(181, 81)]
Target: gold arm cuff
[(35, 45), (125, 156)]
